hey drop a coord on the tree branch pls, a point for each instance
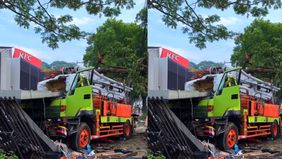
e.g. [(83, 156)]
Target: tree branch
[(199, 19), (32, 18), (44, 9), (177, 17)]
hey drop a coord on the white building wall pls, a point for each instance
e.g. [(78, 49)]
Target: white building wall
[(5, 68)]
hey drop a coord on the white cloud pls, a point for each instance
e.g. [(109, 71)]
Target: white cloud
[(228, 21), (83, 21)]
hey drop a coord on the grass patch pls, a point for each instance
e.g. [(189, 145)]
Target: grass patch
[(7, 155)]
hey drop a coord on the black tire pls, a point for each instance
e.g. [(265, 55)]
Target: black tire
[(127, 130), (274, 128), (79, 140), (229, 138)]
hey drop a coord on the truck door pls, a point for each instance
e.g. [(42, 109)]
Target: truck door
[(79, 97), (227, 97)]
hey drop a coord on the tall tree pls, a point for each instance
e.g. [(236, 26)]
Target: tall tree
[(259, 49), (54, 29), (204, 28), (121, 50)]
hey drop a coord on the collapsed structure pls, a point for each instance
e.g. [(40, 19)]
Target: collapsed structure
[(20, 134)]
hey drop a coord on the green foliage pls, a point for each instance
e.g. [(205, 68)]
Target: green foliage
[(203, 65), (54, 29), (205, 28), (260, 46), (120, 46), (45, 66), (157, 155), (7, 155), (193, 66), (56, 65), (60, 64), (142, 17)]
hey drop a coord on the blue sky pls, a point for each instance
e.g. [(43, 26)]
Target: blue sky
[(26, 39), (175, 40)]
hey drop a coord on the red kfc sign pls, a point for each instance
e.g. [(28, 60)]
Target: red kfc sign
[(27, 57), (175, 57)]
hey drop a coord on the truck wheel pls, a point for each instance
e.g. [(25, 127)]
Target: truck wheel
[(81, 139), (274, 130), (127, 130), (229, 138)]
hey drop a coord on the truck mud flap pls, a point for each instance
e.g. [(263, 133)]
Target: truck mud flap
[(19, 133), (168, 135)]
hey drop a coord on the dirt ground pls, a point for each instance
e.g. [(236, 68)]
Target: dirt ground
[(137, 144), (255, 148), (262, 148)]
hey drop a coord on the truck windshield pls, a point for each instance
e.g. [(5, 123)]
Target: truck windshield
[(221, 84), (74, 83), (228, 80)]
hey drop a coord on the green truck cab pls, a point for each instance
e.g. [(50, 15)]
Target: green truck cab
[(78, 99), (78, 117), (224, 102)]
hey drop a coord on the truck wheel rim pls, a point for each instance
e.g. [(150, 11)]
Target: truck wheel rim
[(275, 130), (231, 138), (127, 130), (84, 138)]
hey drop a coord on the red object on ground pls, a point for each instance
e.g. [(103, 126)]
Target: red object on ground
[(27, 57), (175, 57)]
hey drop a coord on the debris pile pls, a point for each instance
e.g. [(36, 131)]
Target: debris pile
[(99, 152), (250, 149), (206, 83), (59, 83), (116, 153)]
